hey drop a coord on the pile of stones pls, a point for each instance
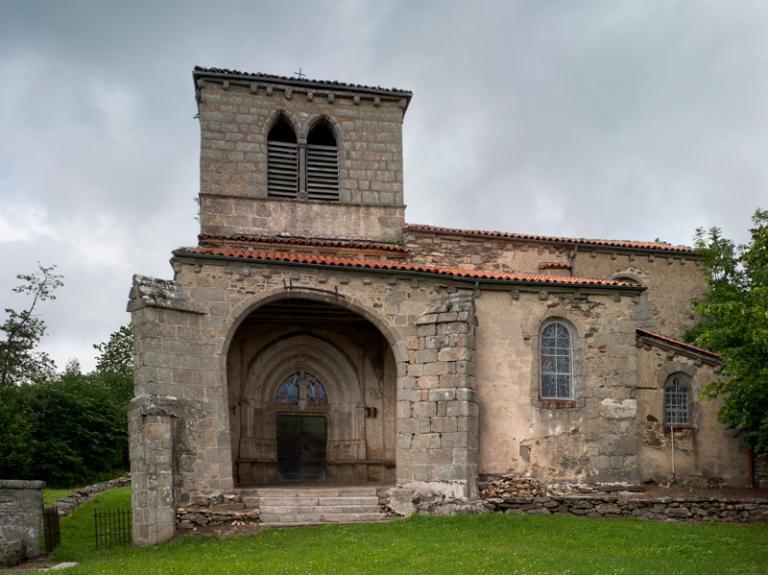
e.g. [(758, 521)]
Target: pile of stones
[(222, 510), (512, 486)]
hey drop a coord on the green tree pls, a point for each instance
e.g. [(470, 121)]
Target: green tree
[(115, 362), (735, 325), (20, 361)]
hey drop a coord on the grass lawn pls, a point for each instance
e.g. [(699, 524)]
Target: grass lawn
[(467, 544)]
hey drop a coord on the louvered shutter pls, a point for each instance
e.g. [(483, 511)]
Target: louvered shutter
[(282, 169), (322, 172)]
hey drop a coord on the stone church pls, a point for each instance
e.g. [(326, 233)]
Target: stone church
[(312, 335)]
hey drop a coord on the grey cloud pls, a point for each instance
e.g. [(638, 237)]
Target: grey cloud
[(595, 118)]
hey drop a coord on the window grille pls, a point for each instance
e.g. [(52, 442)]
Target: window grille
[(676, 403), (555, 351), (282, 161)]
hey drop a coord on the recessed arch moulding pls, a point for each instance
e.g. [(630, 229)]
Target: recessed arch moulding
[(358, 372)]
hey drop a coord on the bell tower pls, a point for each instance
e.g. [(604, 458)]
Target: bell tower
[(298, 157)]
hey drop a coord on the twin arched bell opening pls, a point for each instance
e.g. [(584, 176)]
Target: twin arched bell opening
[(308, 171)]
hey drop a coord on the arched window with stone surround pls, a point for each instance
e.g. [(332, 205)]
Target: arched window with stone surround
[(677, 400), (282, 160), (556, 361), (322, 165)]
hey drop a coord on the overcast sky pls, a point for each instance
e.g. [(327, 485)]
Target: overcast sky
[(613, 119)]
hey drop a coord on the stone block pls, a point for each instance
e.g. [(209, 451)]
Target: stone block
[(426, 356), (438, 368), (426, 330), (425, 409), (462, 408), (427, 441), (444, 424), (454, 354), (429, 381), (441, 394)]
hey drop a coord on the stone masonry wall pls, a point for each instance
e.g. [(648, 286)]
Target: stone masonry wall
[(181, 365), (707, 454), (183, 330), (490, 254), (235, 121), (673, 280), (21, 509), (590, 438), (438, 412), (659, 508)]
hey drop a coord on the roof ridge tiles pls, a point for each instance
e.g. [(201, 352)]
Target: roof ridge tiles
[(394, 265), (300, 241), (330, 84), (679, 343), (625, 244)]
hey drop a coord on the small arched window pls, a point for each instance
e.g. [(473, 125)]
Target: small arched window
[(301, 386), (677, 400), (322, 163), (282, 161), (556, 371)]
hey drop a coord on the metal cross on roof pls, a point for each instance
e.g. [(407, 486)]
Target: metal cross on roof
[(300, 74)]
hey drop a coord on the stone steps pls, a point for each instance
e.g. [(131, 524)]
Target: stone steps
[(269, 508), (310, 500), (279, 518), (284, 506)]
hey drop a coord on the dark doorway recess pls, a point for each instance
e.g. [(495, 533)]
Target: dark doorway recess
[(301, 441)]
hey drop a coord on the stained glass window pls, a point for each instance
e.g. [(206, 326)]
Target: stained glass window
[(288, 392), (315, 391), (676, 405), (556, 361), (291, 390)]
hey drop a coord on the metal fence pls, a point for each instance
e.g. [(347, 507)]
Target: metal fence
[(112, 527), (51, 529)]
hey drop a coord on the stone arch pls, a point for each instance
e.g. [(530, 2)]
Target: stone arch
[(281, 357), (341, 364), (275, 116), (241, 312), (332, 124)]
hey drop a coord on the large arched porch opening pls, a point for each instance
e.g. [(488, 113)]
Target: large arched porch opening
[(312, 395)]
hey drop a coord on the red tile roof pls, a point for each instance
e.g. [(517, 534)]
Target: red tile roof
[(212, 239), (554, 266), (621, 244), (677, 343), (399, 266)]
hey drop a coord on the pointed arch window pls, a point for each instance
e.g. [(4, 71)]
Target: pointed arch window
[(322, 164), (556, 373), (282, 161)]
